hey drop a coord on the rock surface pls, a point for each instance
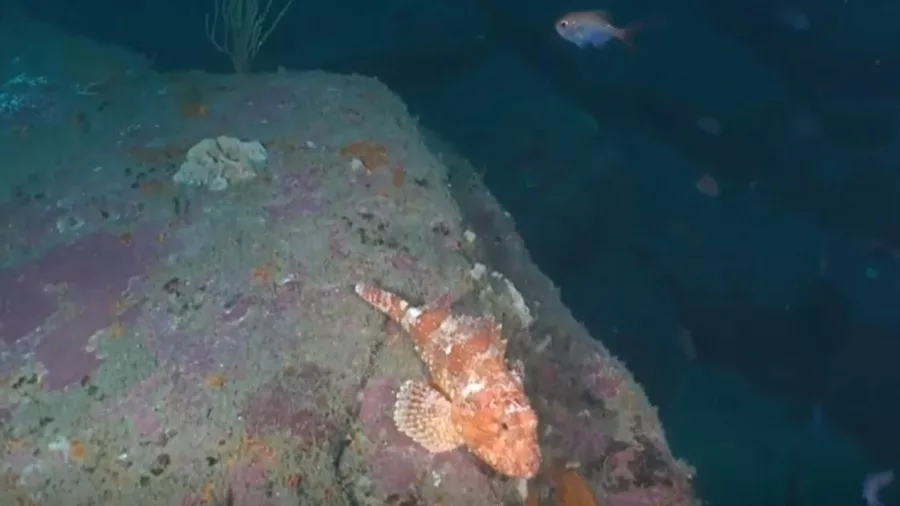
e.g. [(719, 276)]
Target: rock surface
[(167, 346)]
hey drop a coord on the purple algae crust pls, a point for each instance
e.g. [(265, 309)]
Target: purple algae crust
[(375, 412), (465, 477), (298, 400), (165, 405), (239, 331), (397, 465), (88, 278), (248, 482), (296, 194), (176, 349), (138, 408), (580, 437)]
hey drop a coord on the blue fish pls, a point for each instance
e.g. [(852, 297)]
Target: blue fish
[(593, 28)]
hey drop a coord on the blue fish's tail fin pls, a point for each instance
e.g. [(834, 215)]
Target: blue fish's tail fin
[(627, 34)]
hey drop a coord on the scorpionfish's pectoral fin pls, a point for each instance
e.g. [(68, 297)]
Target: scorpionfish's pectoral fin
[(425, 415)]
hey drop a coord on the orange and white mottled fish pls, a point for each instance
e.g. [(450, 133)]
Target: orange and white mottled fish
[(473, 399), (594, 28)]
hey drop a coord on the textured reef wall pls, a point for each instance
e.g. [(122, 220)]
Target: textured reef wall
[(165, 344)]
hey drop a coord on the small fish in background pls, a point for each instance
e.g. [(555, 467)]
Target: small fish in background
[(792, 17), (685, 339), (710, 125), (817, 418), (804, 126), (708, 186), (594, 28), (823, 266)]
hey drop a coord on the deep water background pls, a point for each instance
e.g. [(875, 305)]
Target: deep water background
[(769, 313)]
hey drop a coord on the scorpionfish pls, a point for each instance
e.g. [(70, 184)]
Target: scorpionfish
[(473, 398)]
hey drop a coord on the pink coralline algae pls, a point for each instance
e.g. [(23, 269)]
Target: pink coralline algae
[(397, 461), (397, 464), (466, 477), (375, 412), (604, 379), (166, 406), (248, 482), (178, 350), (239, 335), (139, 408), (62, 350), (579, 436), (599, 378), (296, 194), (644, 497), (396, 470), (294, 401), (84, 279)]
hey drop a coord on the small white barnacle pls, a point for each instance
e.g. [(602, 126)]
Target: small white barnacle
[(472, 387), (61, 445), (411, 316), (517, 370), (515, 407)]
